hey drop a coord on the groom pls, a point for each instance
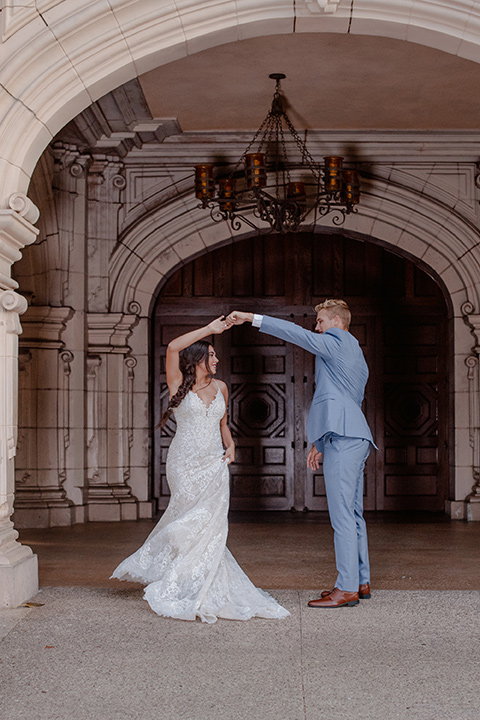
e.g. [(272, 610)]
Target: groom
[(337, 427)]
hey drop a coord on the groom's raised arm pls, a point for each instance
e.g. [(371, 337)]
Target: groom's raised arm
[(325, 344)]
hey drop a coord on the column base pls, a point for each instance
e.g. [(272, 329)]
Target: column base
[(455, 509), (112, 512), (44, 517), (473, 511), (18, 581), (145, 510)]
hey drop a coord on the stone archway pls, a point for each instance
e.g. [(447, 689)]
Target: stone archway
[(57, 58), (414, 223), (399, 316)]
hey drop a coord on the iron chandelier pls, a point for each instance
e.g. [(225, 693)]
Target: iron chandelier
[(273, 189)]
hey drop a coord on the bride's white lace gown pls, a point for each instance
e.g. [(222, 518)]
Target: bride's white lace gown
[(184, 562)]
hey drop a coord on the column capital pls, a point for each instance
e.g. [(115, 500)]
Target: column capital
[(16, 231)]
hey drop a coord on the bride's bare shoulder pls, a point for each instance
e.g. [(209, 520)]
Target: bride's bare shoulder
[(222, 385)]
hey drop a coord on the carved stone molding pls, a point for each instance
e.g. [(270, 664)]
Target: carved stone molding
[(134, 308), (93, 363), (328, 6), (16, 231), (43, 326), (130, 364), (119, 182), (13, 302), (473, 368), (472, 320)]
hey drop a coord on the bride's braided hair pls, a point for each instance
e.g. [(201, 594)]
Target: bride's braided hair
[(190, 357)]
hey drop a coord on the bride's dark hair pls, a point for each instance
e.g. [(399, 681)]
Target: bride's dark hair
[(190, 357)]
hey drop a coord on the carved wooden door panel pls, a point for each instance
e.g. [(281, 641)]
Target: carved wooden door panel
[(413, 462), (258, 370)]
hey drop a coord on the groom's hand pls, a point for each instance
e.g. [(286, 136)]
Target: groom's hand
[(238, 318), (313, 458)]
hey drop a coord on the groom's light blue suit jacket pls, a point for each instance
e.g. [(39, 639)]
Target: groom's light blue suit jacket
[(341, 374)]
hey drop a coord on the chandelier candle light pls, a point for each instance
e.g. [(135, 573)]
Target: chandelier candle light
[(273, 189)]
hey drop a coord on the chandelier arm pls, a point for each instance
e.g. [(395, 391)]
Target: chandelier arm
[(339, 216)]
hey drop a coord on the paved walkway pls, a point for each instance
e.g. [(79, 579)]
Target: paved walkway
[(102, 653)]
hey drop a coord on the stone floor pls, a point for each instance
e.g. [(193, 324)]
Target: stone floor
[(92, 648), (281, 551)]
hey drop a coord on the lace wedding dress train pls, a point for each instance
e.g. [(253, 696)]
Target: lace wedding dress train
[(188, 570)]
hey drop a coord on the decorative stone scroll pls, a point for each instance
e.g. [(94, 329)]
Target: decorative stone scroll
[(473, 368), (24, 207)]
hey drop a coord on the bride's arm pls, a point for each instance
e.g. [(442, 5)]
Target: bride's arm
[(172, 361), (227, 439)]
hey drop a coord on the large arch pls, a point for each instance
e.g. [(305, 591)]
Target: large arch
[(390, 212), (56, 58), (408, 221)]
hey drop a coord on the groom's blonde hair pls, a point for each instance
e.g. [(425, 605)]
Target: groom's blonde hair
[(338, 308)]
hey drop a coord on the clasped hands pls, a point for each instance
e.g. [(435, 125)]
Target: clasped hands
[(222, 323)]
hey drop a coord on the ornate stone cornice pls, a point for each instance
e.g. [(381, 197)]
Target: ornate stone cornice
[(109, 332), (43, 326)]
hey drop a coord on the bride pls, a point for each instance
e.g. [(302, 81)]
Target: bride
[(184, 562)]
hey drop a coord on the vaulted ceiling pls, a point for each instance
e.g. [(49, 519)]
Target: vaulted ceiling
[(333, 81)]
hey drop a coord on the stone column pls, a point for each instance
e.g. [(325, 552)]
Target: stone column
[(18, 565)]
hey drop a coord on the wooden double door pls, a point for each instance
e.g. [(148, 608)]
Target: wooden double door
[(399, 318)]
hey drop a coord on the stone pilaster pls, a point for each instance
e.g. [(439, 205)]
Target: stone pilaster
[(110, 375), (105, 187), (44, 420), (18, 565)]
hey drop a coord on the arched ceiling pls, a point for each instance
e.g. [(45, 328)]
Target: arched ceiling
[(334, 81)]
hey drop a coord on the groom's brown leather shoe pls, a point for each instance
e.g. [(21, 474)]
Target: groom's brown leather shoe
[(336, 598), (363, 592)]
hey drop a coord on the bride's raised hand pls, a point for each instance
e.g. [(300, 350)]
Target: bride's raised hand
[(219, 325)]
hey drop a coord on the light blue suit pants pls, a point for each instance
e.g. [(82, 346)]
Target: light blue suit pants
[(343, 463)]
